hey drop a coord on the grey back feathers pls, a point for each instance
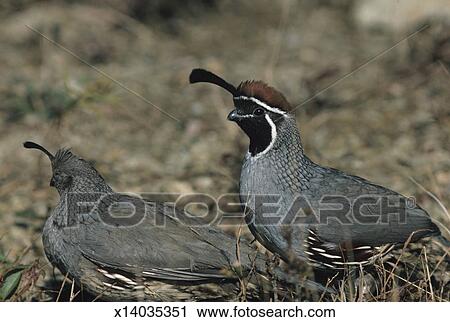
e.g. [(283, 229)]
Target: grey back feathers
[(276, 165), (133, 261)]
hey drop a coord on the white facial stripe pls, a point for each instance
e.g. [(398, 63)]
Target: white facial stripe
[(262, 104), (272, 141), (246, 116)]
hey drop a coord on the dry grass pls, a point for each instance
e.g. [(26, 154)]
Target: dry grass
[(387, 122)]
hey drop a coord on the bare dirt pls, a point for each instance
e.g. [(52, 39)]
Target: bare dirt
[(384, 114)]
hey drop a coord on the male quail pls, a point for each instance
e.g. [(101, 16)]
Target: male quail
[(327, 217), (119, 257)]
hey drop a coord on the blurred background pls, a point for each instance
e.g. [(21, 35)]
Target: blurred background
[(384, 113)]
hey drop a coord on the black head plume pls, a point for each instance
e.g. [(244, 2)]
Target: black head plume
[(32, 145), (199, 75)]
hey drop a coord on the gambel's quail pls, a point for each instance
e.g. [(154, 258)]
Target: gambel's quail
[(301, 210), (126, 256)]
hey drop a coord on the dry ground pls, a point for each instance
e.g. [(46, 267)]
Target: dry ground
[(388, 121)]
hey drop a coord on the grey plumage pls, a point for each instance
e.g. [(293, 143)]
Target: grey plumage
[(286, 170), (140, 261), (276, 165)]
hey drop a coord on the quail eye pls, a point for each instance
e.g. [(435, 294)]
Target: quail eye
[(258, 111)]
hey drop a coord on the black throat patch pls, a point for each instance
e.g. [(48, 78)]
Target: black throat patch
[(259, 131)]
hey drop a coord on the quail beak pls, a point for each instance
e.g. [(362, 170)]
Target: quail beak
[(52, 182), (233, 116)]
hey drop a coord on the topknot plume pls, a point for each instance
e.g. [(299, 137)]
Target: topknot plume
[(256, 89)]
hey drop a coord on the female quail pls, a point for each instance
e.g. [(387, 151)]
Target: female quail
[(344, 219), (128, 257)]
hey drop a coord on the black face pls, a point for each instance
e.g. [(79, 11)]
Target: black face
[(254, 113), (255, 121)]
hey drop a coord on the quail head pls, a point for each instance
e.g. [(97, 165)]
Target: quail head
[(126, 256), (329, 218)]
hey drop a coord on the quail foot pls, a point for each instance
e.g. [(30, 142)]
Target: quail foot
[(301, 210), (148, 253)]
